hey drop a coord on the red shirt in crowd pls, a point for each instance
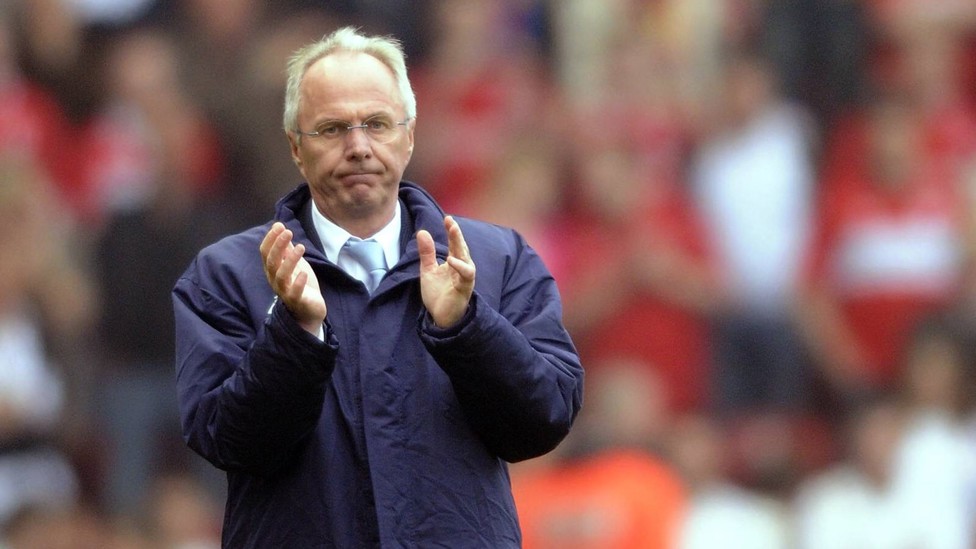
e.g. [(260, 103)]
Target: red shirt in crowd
[(888, 259), (666, 334)]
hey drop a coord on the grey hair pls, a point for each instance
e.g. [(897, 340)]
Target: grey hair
[(347, 39)]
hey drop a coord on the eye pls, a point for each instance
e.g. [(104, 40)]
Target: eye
[(379, 124), (331, 129)]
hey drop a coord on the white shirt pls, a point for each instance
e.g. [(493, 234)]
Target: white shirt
[(754, 188), (334, 237), (730, 517), (934, 470), (27, 383), (839, 509)]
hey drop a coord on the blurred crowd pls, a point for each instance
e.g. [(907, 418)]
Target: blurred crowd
[(761, 215)]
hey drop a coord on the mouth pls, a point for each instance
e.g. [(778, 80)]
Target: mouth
[(358, 178)]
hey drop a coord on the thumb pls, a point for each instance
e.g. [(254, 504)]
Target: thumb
[(428, 254)]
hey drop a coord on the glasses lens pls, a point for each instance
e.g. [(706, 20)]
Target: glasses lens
[(381, 130)]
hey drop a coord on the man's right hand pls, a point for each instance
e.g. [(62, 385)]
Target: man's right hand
[(292, 278)]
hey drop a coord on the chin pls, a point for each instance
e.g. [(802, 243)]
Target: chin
[(367, 200), (360, 199), (363, 194)]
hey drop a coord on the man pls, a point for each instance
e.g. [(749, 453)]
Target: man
[(354, 415)]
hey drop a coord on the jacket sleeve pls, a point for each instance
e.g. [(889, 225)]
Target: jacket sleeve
[(248, 397), (515, 371)]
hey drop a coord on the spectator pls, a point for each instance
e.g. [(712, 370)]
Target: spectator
[(149, 128), (480, 86), (215, 44), (648, 296), (937, 457), (54, 41), (616, 493), (32, 123), (890, 249), (820, 49), (856, 503), (526, 191), (70, 528), (720, 513), (254, 135), (159, 163), (34, 470), (923, 49), (183, 514), (753, 183)]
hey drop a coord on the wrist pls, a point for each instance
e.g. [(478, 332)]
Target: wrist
[(433, 327), (314, 328), (446, 322)]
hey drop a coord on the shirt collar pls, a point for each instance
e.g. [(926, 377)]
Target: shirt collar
[(333, 237)]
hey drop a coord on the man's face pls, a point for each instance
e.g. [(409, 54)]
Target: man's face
[(352, 178)]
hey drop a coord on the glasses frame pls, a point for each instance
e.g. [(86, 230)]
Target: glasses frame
[(349, 127)]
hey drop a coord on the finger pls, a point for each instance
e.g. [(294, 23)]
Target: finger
[(287, 269), (465, 269), (428, 253), (281, 245), (284, 272), (456, 245), (269, 240), (294, 292)]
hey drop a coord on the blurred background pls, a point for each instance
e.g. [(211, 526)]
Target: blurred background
[(760, 214)]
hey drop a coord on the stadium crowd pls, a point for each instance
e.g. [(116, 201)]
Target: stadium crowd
[(761, 215)]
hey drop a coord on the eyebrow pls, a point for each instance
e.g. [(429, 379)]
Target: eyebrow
[(368, 117)]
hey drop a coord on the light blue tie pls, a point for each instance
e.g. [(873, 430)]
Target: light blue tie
[(369, 254)]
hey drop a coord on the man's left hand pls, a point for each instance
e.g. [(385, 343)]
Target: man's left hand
[(446, 288)]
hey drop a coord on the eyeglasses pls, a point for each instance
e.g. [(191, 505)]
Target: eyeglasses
[(380, 129)]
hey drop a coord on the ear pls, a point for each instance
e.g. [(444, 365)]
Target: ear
[(410, 128), (296, 156)]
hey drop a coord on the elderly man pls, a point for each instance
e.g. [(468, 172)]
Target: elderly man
[(364, 366)]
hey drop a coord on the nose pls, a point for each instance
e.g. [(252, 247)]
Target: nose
[(358, 144)]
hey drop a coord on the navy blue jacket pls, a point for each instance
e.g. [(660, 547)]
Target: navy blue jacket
[(392, 432)]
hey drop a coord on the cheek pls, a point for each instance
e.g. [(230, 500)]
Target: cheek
[(317, 164), (400, 157)]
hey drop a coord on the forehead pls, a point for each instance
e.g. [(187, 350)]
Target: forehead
[(348, 83)]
